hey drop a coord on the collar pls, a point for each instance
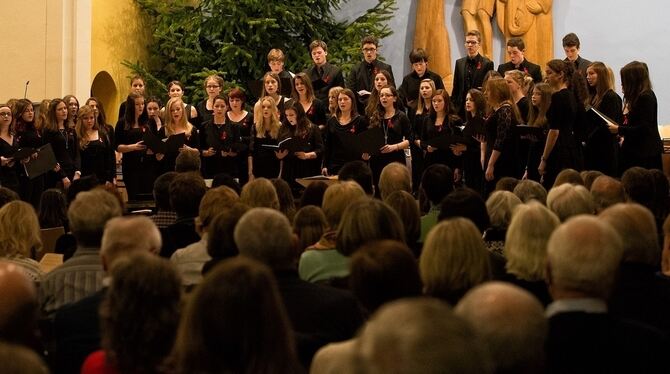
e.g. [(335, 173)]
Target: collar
[(85, 251), (586, 305), (474, 59)]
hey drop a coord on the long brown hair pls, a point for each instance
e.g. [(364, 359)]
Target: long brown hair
[(537, 116), (634, 81), (499, 94)]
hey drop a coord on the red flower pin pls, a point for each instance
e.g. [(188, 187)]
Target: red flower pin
[(525, 70), (224, 135), (352, 130), (326, 78), (479, 65), (389, 123)]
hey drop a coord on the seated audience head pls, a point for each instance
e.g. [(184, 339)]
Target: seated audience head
[(419, 335), (453, 259), (606, 191), (526, 241), (186, 192), (359, 172), (637, 228), (140, 313), (661, 202), (466, 203), (162, 190), (17, 359), (394, 177), (82, 184), (19, 230), (7, 195), (588, 176), (285, 196), (260, 193), (506, 184), (583, 256), (309, 223), (89, 214), (266, 235), (127, 235), (220, 240), (337, 198), (569, 200), (382, 271), (638, 185), (187, 161), (510, 322), (19, 307), (529, 189), (366, 220), (313, 194), (571, 176), (437, 182), (500, 205), (53, 209), (665, 254), (212, 204), (407, 208), (246, 331)]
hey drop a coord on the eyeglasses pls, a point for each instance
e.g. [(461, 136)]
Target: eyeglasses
[(369, 50), (5, 114)]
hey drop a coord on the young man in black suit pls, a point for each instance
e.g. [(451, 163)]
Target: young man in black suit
[(361, 79), (469, 71), (323, 74), (515, 50), (571, 48), (409, 89)]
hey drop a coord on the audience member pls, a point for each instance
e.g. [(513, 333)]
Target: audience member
[(588, 176), (139, 317), (220, 242), (528, 190), (583, 256), (165, 215), (318, 314), (188, 161), (227, 180), (500, 205), (407, 208), (606, 191), (638, 186), (246, 331), (285, 197), (526, 248), (571, 176), (186, 191), (467, 203), (20, 360), (18, 309), (7, 195), (309, 224), (569, 200), (506, 184), (20, 238), (81, 275), (53, 210), (394, 177), (359, 172), (453, 260), (313, 194), (189, 260), (260, 193), (437, 182), (511, 324)]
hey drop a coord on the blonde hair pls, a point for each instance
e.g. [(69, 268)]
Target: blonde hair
[(79, 127), (500, 206), (260, 193), (422, 102), (213, 203), (259, 121), (453, 259), (569, 200), (170, 125), (526, 240), (337, 198), (19, 230)]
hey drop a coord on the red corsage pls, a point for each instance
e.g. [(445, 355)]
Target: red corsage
[(389, 123), (479, 65), (525, 70), (326, 78), (375, 71), (224, 135), (352, 130)]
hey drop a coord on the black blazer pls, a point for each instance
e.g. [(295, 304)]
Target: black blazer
[(526, 66), (362, 75), (461, 85), (641, 138), (332, 77)]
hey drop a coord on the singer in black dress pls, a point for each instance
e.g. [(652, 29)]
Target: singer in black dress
[(346, 122), (95, 147), (220, 142), (441, 122), (244, 120), (176, 123), (213, 86), (264, 158), (305, 162), (64, 144), (129, 133), (501, 137), (28, 137), (9, 169), (473, 149)]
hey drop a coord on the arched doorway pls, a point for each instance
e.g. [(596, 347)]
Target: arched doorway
[(104, 88)]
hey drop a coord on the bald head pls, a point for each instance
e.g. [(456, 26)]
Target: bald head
[(18, 304), (511, 323)]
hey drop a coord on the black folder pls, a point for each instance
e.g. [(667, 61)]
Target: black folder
[(598, 117), (169, 145), (23, 153), (443, 142), (296, 144), (369, 141), (45, 161)]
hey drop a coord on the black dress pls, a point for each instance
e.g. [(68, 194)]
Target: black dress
[(98, 159), (170, 158), (396, 129), (501, 136), (244, 126), (30, 189), (221, 137), (296, 168), (473, 174), (642, 145), (133, 164), (418, 122), (601, 148), (434, 130), (204, 115), (64, 145), (265, 162), (9, 175), (317, 113), (335, 152), (562, 114)]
